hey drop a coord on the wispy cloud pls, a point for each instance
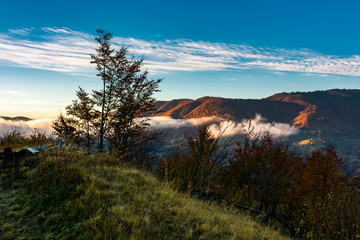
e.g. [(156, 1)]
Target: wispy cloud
[(66, 50), (14, 93), (53, 49), (29, 102)]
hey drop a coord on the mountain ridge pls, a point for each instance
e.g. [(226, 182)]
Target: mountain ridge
[(329, 117), (17, 118), (297, 108)]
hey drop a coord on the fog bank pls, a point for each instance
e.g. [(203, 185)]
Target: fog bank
[(219, 125), (26, 127)]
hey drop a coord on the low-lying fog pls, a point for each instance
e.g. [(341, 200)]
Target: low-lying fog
[(228, 128), (217, 125)]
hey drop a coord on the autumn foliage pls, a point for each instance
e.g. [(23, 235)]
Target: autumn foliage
[(193, 167), (327, 198), (310, 195)]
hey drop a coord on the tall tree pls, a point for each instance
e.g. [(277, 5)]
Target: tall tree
[(102, 60), (133, 99), (126, 96)]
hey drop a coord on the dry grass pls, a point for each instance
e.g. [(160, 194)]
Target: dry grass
[(132, 204), (121, 202)]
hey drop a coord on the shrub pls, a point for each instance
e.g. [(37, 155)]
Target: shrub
[(327, 198), (16, 138), (261, 172), (38, 137), (193, 167), (11, 138)]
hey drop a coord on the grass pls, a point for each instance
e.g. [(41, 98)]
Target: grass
[(114, 201)]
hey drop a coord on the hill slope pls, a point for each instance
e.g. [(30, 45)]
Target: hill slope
[(329, 117), (332, 111), (115, 202), (236, 109), (324, 117), (339, 109)]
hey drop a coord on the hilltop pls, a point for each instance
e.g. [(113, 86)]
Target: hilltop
[(97, 197)]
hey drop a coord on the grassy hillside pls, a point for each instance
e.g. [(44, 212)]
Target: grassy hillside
[(95, 197)]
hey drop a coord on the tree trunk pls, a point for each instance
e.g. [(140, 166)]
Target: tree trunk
[(101, 147)]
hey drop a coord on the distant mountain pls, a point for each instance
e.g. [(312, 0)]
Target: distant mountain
[(334, 111), (18, 118), (236, 109), (324, 117)]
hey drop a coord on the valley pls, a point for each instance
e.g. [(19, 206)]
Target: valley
[(329, 117)]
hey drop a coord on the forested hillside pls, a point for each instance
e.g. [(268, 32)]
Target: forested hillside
[(324, 117)]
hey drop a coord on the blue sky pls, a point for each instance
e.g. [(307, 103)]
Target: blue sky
[(236, 49)]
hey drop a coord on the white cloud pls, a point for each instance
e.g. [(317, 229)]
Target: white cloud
[(22, 32), (14, 93), (66, 50)]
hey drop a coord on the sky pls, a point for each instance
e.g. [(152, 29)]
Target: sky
[(233, 49)]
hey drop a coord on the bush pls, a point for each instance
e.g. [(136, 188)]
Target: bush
[(327, 199), (16, 138), (38, 137), (261, 172), (193, 167), (310, 195), (11, 138)]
